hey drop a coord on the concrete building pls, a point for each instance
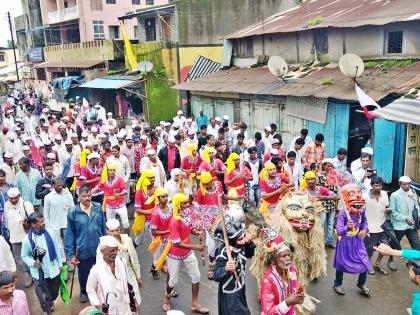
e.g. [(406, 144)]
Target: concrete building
[(6, 57)]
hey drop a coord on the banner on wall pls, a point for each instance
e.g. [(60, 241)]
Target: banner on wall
[(412, 151)]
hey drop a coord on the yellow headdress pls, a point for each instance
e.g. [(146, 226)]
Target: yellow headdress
[(264, 172), (83, 157), (104, 174), (144, 181), (191, 148), (176, 204), (204, 178), (158, 192), (230, 164), (304, 183), (207, 152)]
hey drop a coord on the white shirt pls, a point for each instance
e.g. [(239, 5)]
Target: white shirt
[(254, 171), (173, 188), (213, 130), (355, 165), (297, 174), (7, 262), (308, 141), (299, 155), (358, 175), (122, 166), (375, 210), (340, 165), (14, 217), (179, 120), (10, 173), (30, 123), (56, 207), (145, 165), (15, 148)]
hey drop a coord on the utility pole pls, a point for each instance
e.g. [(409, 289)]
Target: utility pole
[(13, 45)]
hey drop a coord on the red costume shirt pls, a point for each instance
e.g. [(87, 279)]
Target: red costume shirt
[(239, 184), (210, 198), (160, 222), (111, 187), (140, 202), (190, 166), (87, 173), (268, 186), (212, 167), (179, 232)]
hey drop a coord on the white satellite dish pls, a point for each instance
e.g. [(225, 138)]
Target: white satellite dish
[(145, 66), (351, 65), (277, 66)]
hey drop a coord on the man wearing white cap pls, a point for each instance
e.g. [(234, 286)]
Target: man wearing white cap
[(127, 251), (9, 168), (108, 279), (14, 146), (170, 157), (110, 121), (94, 136), (16, 211), (56, 167), (357, 164), (85, 136), (100, 110), (212, 128), (191, 139), (177, 183), (113, 135), (152, 162), (179, 118), (405, 213), (29, 121), (58, 146)]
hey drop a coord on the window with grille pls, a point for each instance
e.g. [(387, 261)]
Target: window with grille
[(111, 1), (150, 2), (395, 42), (96, 5), (114, 31), (1, 57), (136, 31), (98, 30), (150, 29), (135, 2)]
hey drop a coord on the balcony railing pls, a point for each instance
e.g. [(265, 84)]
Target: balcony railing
[(53, 17), (71, 13)]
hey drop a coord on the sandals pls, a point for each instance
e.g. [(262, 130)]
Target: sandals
[(166, 305), (174, 293), (155, 273), (339, 290), (392, 266), (380, 270), (365, 290), (372, 271), (199, 309)]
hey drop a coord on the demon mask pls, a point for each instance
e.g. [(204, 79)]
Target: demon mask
[(235, 231), (299, 211), (353, 199)]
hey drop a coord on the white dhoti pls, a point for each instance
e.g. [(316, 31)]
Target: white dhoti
[(191, 265)]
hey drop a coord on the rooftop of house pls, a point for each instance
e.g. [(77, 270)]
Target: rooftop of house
[(334, 13)]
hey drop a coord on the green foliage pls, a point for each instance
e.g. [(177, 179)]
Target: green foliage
[(391, 63), (327, 81), (315, 21)]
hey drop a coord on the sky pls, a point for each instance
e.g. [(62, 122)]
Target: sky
[(15, 9)]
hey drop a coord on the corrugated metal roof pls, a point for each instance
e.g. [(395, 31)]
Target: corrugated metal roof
[(335, 13), (402, 110), (202, 67), (376, 82), (108, 83), (69, 64)]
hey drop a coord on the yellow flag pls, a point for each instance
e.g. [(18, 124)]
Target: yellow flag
[(132, 61)]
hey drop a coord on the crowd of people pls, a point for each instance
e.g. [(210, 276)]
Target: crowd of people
[(80, 191)]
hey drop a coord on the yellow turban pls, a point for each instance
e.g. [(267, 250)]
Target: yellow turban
[(158, 192), (191, 148), (176, 204), (204, 178), (230, 164), (104, 174), (83, 157), (308, 175), (264, 172), (207, 152), (144, 181)]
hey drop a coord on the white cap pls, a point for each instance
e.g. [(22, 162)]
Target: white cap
[(134, 122), (68, 141), (151, 152), (93, 155), (274, 141), (51, 155), (24, 148), (94, 129), (18, 129), (109, 114), (73, 135), (225, 117), (143, 137), (191, 131), (175, 125), (26, 138), (120, 135), (112, 224), (158, 128), (13, 192), (8, 155), (175, 172), (84, 134), (327, 160), (189, 120), (405, 179), (58, 137), (179, 112), (47, 142), (217, 119), (87, 144), (274, 151), (77, 97), (95, 142), (12, 136), (45, 110), (367, 150), (268, 128), (171, 140), (123, 132), (102, 135), (108, 241), (97, 106), (162, 123), (167, 124)]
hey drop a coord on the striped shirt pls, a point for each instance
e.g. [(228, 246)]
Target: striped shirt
[(27, 184)]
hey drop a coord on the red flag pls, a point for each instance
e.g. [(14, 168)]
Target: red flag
[(365, 101), (36, 156)]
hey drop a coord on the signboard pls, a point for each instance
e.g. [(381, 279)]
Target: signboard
[(35, 54), (412, 151)]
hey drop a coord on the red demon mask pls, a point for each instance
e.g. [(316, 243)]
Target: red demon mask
[(353, 199)]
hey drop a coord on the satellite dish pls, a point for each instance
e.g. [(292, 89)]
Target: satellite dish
[(277, 66), (351, 65), (145, 66)]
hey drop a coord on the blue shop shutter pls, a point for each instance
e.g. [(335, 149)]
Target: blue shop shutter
[(384, 146), (336, 128), (399, 152)]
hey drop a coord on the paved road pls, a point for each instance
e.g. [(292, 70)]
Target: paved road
[(391, 295)]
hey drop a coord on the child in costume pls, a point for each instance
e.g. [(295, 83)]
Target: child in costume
[(232, 298), (352, 228)]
